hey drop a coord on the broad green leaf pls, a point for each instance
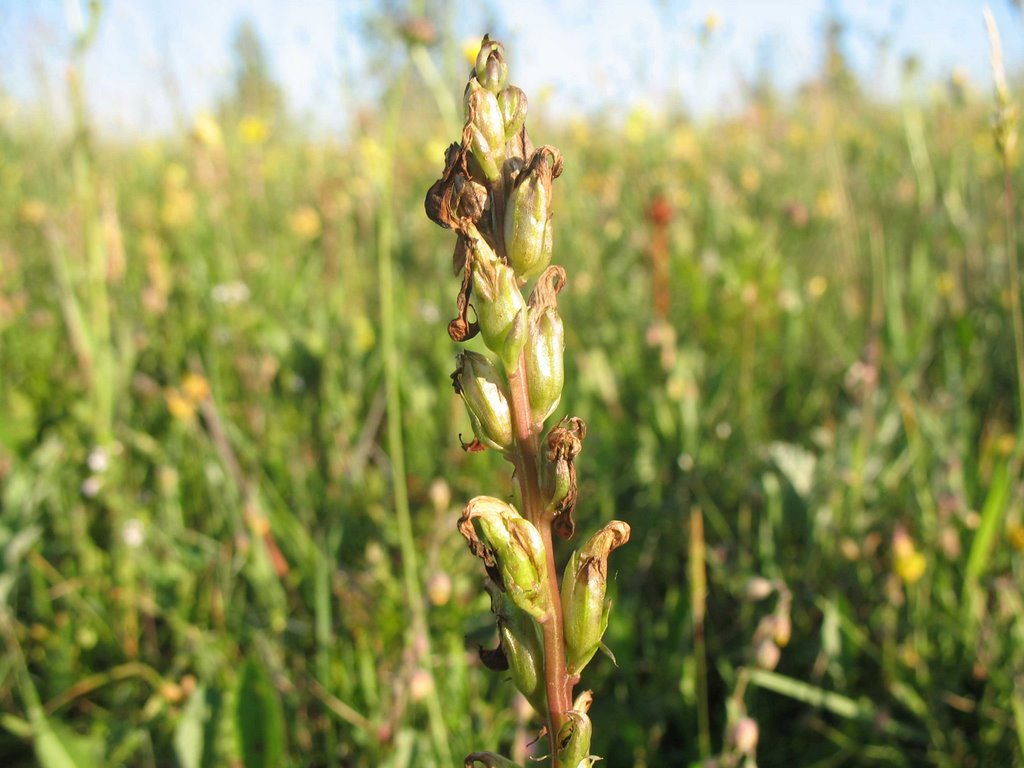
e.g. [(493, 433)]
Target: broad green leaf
[(259, 721), (991, 516), (57, 746), (189, 736), (796, 464)]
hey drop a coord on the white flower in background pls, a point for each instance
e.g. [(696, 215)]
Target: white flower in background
[(230, 294), (133, 533), (91, 486), (98, 460)]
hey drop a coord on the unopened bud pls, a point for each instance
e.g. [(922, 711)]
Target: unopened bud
[(767, 654), (757, 588), (583, 595), (557, 480), (491, 69), (745, 735), (421, 685), (510, 542), (528, 228), (486, 129), (513, 105), (439, 588), (544, 369), (479, 383), (498, 302), (783, 629)]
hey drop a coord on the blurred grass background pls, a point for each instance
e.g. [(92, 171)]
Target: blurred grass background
[(790, 332)]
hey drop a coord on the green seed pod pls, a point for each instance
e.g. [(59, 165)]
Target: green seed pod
[(480, 385), (544, 369), (557, 480), (524, 650), (574, 740), (513, 105), (512, 543), (515, 341), (528, 229), (583, 595), (486, 129), (498, 303), (491, 69)]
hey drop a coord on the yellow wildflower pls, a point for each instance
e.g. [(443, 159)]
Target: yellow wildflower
[(195, 387), (433, 151), (470, 49), (252, 130), (304, 223), (750, 179), (817, 286), (638, 125), (179, 406), (206, 130), (911, 567), (363, 334), (179, 209), (908, 563), (1005, 444), (826, 205), (1015, 535), (32, 212)]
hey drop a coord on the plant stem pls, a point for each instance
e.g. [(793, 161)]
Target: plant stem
[(1015, 308), (526, 459), (557, 682), (1005, 135), (698, 608), (418, 631)]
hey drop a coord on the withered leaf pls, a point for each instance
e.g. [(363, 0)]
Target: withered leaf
[(473, 446), (594, 554), (461, 329), (551, 281)]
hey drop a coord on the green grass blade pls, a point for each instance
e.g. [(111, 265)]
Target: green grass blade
[(833, 702), (259, 719), (978, 559)]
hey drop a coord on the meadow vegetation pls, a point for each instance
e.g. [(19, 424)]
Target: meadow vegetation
[(790, 331)]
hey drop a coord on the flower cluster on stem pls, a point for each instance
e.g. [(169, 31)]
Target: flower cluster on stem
[(496, 194)]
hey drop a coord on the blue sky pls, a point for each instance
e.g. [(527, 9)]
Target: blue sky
[(156, 63)]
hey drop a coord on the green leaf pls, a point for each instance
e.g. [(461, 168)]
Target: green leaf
[(796, 464), (853, 709), (189, 736), (259, 720), (992, 513), (57, 746), (991, 516)]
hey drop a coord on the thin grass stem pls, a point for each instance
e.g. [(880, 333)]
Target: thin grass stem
[(418, 631)]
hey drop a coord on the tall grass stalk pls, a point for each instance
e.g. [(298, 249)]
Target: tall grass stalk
[(418, 632), (1005, 128)]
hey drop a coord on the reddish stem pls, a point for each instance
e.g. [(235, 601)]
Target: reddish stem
[(557, 681)]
